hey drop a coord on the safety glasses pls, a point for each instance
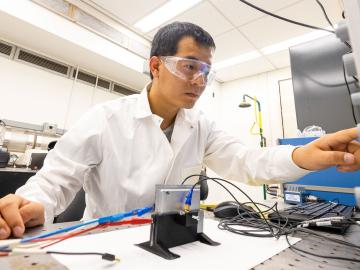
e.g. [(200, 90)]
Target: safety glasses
[(189, 69)]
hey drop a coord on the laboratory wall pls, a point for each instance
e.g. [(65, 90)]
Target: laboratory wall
[(271, 89), (35, 96), (265, 87)]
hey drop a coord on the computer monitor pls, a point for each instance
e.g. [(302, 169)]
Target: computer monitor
[(320, 92), (37, 160)]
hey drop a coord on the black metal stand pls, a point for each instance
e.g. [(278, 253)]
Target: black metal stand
[(171, 230)]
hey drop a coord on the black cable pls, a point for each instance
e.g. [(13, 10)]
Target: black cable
[(349, 91), (104, 256), (206, 177), (264, 227), (75, 253), (299, 23), (216, 180), (325, 14), (329, 22), (236, 187), (258, 224), (285, 19), (269, 208)]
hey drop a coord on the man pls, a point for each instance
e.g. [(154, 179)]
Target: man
[(120, 150)]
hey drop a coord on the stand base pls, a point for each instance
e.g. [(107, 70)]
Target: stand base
[(172, 230), (165, 253), (203, 238), (159, 250)]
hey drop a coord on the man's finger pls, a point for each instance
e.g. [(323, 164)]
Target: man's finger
[(353, 147), (335, 158), (345, 136), (32, 214), (9, 207), (5, 231), (348, 168)]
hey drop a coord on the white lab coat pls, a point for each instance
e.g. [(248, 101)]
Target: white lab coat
[(117, 152)]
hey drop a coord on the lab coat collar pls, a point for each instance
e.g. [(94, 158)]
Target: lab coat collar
[(143, 109), (188, 116)]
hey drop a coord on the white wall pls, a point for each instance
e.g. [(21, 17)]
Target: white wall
[(288, 109), (32, 95), (238, 121)]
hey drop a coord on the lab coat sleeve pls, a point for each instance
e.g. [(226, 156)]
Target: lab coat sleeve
[(67, 165), (230, 159)]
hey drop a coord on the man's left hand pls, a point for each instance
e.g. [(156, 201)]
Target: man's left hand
[(337, 149)]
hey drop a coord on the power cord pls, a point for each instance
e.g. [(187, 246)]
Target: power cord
[(285, 19), (349, 91), (325, 14), (15, 251)]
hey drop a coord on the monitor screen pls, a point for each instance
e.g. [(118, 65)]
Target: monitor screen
[(320, 92)]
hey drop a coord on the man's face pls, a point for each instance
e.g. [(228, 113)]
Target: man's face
[(176, 91)]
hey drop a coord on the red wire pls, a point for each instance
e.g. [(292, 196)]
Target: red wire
[(62, 238), (134, 221)]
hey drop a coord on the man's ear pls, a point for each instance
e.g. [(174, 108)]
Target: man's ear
[(154, 64)]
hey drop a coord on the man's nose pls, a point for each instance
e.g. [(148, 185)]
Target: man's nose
[(199, 80)]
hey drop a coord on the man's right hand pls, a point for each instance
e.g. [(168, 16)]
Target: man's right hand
[(16, 213)]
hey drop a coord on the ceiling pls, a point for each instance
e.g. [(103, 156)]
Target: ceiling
[(236, 28)]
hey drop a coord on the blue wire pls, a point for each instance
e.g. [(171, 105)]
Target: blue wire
[(101, 220), (25, 240)]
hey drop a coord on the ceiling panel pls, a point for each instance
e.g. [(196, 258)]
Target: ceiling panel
[(206, 16), (255, 66), (226, 49), (128, 11), (269, 30), (279, 59), (239, 13)]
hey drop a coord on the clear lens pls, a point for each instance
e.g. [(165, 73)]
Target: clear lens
[(189, 69)]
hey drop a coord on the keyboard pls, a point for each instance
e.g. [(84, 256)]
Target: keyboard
[(314, 211)]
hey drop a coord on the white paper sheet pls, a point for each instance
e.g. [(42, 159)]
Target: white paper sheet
[(241, 252)]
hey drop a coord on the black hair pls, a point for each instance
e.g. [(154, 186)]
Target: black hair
[(166, 40)]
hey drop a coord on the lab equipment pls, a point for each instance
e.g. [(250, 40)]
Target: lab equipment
[(328, 184), (172, 226)]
